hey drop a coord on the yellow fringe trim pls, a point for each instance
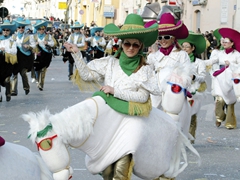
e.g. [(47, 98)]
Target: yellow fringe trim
[(208, 68), (119, 33), (169, 27), (130, 169), (26, 39), (10, 58), (108, 51), (131, 26), (84, 86), (142, 109), (202, 87), (165, 25), (36, 50)]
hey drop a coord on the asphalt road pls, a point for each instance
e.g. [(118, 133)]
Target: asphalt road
[(218, 147)]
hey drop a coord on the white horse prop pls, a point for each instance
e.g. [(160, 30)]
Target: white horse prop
[(173, 83), (18, 162), (156, 142), (226, 84)]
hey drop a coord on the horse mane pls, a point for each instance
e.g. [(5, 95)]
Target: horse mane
[(37, 122), (73, 123)]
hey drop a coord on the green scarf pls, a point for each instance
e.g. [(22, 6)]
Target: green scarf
[(192, 57), (129, 65), (125, 107), (43, 132)]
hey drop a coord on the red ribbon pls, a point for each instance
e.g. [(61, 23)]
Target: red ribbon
[(216, 73)]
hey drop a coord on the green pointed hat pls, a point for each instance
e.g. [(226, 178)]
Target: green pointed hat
[(217, 34), (197, 40), (133, 28)]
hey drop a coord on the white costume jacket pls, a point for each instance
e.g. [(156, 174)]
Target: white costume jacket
[(78, 39), (136, 87), (158, 60), (218, 58), (48, 39), (199, 71), (9, 45)]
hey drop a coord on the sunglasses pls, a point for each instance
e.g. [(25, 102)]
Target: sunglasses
[(177, 88), (236, 80), (40, 29), (167, 37), (46, 144), (134, 45), (76, 29), (226, 41), (6, 30)]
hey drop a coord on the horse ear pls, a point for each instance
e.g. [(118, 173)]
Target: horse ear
[(26, 117)]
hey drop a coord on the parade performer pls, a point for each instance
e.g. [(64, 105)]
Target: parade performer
[(194, 45), (210, 66), (113, 45), (25, 44), (75, 38), (128, 80), (221, 61), (98, 42), (170, 53), (8, 57), (44, 44)]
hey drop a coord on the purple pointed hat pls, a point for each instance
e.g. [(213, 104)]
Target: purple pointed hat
[(231, 34), (167, 26)]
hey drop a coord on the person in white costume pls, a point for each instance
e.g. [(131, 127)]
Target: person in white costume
[(128, 79), (75, 38), (8, 56), (194, 45), (170, 53), (112, 46), (98, 42), (25, 44), (220, 62)]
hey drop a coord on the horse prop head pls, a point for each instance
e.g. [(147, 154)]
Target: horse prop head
[(50, 145), (174, 84)]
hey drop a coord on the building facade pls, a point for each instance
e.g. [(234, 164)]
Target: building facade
[(205, 15), (209, 15)]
